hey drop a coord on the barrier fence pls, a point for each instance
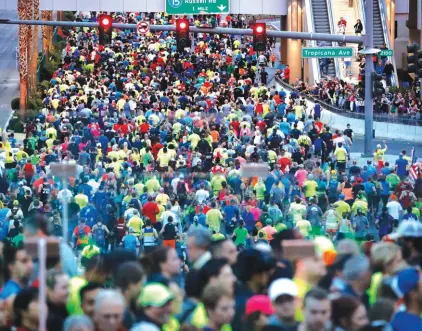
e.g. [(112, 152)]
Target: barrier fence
[(398, 119)]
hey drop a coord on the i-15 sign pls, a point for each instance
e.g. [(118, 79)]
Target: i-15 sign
[(194, 7)]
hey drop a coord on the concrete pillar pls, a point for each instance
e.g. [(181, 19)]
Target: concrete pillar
[(294, 22), (283, 41), (34, 55), (391, 18)]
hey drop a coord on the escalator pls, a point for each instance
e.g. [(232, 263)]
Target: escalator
[(319, 19), (322, 25), (379, 38), (381, 31)]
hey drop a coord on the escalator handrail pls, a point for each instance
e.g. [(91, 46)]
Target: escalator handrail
[(310, 21), (363, 15), (333, 31)]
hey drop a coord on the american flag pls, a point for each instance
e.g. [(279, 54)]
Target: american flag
[(414, 166)]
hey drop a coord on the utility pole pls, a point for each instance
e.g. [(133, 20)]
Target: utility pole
[(369, 69)]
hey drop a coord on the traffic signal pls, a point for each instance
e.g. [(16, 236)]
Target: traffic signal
[(182, 34), (377, 85), (105, 23), (414, 60), (259, 36)]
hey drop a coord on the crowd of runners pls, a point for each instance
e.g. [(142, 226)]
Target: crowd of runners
[(166, 231)]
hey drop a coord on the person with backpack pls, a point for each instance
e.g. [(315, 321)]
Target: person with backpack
[(81, 234), (44, 190), (99, 233), (149, 236), (169, 233), (15, 211), (131, 242), (333, 192)]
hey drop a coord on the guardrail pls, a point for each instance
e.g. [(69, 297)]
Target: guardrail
[(400, 119)]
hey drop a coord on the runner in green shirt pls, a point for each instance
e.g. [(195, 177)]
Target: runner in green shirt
[(393, 180), (240, 234), (217, 183), (214, 218), (260, 189)]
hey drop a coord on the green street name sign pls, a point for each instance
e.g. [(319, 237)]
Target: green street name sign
[(192, 7), (326, 52), (386, 52)]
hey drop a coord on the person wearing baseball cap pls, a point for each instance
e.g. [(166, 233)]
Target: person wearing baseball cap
[(257, 310), (155, 300), (283, 293), (409, 235), (407, 286)]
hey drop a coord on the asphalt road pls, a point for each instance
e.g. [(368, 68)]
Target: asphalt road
[(9, 77), (394, 146)]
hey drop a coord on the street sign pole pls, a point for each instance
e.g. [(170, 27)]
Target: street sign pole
[(65, 202), (42, 278), (369, 69)]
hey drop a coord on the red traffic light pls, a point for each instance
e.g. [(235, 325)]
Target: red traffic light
[(259, 36), (105, 21), (182, 34), (182, 25), (259, 28)]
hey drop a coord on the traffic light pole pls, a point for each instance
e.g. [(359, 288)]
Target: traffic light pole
[(246, 32), (369, 69)]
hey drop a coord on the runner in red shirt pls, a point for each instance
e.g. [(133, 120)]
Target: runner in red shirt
[(284, 161), (144, 127), (150, 210)]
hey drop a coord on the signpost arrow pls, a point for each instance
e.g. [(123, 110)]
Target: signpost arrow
[(221, 7)]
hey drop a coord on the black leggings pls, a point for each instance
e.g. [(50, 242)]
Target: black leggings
[(384, 199)]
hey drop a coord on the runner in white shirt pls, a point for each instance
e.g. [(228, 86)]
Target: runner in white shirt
[(202, 194), (395, 209)]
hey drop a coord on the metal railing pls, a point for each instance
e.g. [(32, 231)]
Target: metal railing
[(386, 118), (333, 31)]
